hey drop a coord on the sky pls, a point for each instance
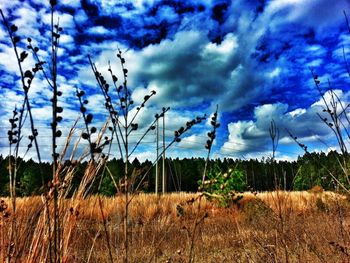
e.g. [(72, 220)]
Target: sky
[(252, 58)]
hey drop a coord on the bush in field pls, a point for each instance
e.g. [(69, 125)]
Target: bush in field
[(223, 186)]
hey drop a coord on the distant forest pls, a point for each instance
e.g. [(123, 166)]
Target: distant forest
[(183, 174)]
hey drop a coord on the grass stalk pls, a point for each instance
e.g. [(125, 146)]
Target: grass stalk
[(104, 221)]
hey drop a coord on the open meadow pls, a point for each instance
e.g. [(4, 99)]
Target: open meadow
[(107, 104), (266, 227)]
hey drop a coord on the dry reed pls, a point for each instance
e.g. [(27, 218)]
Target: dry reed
[(249, 232)]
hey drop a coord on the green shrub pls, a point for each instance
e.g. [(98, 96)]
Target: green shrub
[(224, 186)]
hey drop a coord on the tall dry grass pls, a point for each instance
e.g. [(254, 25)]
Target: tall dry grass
[(316, 228)]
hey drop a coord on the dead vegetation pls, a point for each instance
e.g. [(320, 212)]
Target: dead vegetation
[(266, 227)]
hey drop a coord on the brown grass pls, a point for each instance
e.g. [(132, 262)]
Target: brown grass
[(268, 227)]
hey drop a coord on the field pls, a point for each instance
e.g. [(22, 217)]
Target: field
[(70, 137), (266, 227)]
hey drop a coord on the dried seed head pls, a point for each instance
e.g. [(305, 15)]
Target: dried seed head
[(6, 214)]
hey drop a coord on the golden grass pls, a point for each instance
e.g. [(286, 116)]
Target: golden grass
[(269, 227), (297, 201)]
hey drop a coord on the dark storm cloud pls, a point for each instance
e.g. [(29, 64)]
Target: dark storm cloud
[(219, 11), (141, 27)]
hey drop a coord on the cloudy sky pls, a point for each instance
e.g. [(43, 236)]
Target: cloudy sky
[(250, 57)]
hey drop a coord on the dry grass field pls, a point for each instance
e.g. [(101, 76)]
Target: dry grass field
[(266, 227)]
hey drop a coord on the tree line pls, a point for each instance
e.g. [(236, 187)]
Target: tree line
[(307, 171)]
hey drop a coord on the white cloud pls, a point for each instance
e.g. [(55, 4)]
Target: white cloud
[(66, 21), (195, 142), (249, 137), (315, 63), (229, 44), (66, 39), (328, 97), (318, 14), (8, 59), (71, 3), (80, 16), (27, 16), (274, 73), (297, 112), (142, 3), (187, 66), (99, 30), (44, 114)]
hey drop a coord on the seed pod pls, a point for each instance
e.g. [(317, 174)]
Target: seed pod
[(85, 136)]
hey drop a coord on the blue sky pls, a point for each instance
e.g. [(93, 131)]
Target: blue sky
[(250, 57)]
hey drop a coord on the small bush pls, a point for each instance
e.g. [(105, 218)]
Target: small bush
[(224, 187)]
